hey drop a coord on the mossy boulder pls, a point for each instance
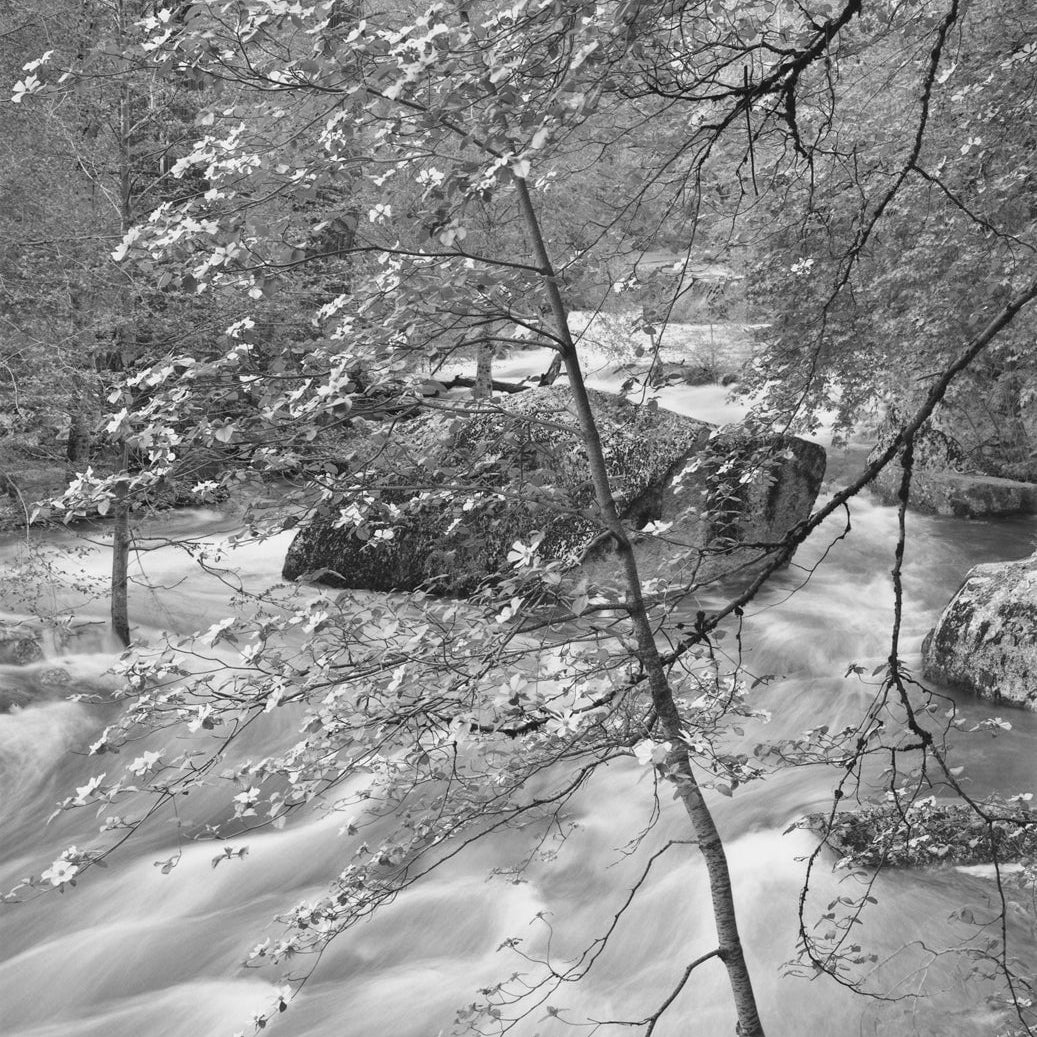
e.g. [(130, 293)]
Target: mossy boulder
[(985, 641), (445, 498)]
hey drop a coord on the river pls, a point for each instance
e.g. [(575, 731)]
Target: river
[(134, 951)]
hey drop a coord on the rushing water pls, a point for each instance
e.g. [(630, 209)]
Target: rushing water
[(134, 951)]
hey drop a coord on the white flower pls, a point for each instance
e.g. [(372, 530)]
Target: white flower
[(524, 554), (117, 421), (648, 752), (202, 718), (60, 872), (102, 744), (509, 611), (656, 528), (430, 176), (217, 632), (144, 763), (205, 489), (29, 85), (235, 330), (380, 213), (245, 802), (121, 251), (84, 791)]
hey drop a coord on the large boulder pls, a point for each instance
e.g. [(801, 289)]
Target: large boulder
[(462, 490), (731, 504), (758, 487), (959, 494), (961, 467), (985, 641)]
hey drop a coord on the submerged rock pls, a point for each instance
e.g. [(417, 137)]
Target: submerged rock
[(462, 490), (929, 832), (985, 641)]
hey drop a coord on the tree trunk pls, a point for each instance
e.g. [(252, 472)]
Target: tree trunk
[(80, 439), (120, 610), (729, 944), (483, 371), (119, 590)]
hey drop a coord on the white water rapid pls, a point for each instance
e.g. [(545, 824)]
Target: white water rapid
[(132, 951)]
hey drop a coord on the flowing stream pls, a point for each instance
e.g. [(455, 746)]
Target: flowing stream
[(134, 951)]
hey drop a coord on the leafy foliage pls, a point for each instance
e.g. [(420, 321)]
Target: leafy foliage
[(906, 182)]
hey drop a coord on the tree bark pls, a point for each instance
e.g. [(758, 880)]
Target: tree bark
[(679, 767), (119, 589), (120, 610), (80, 439), (483, 371)]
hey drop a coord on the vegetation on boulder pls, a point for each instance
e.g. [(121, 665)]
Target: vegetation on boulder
[(471, 486), (929, 832)]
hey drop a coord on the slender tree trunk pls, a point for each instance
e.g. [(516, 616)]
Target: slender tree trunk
[(120, 609), (119, 591), (483, 371), (729, 944), (77, 453)]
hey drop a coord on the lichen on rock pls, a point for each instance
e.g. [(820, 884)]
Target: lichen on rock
[(985, 641)]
